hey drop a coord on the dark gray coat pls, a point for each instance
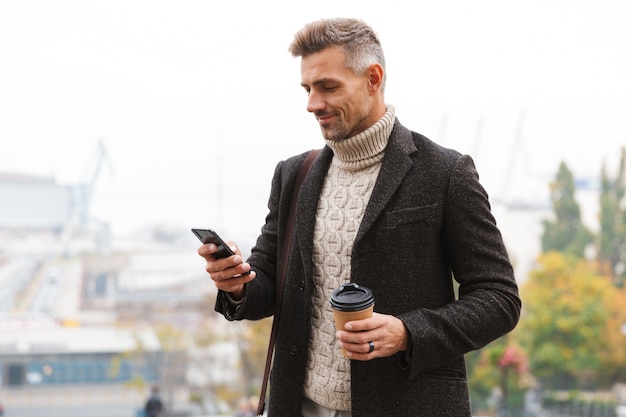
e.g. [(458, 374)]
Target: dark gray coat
[(428, 220)]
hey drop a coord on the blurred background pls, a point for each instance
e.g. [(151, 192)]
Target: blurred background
[(123, 124)]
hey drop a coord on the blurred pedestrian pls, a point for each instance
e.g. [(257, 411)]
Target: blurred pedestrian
[(154, 405), (245, 408)]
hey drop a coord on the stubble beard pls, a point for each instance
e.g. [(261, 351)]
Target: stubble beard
[(336, 132)]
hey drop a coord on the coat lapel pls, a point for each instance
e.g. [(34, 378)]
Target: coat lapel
[(396, 163), (307, 207)]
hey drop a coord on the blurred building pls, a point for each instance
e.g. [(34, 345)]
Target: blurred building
[(44, 352), (81, 308), (35, 202)]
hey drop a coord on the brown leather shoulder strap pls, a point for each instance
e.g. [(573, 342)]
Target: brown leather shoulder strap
[(282, 272)]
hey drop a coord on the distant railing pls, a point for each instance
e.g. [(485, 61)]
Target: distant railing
[(579, 409)]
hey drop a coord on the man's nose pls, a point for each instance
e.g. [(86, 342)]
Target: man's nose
[(315, 102)]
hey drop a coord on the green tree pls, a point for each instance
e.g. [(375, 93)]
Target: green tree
[(612, 242), (566, 233), (564, 326)]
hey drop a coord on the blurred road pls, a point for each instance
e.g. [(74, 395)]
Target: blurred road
[(99, 410), (71, 401)]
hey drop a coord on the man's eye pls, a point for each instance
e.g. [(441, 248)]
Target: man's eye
[(330, 87)]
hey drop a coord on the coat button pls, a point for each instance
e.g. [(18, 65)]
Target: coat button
[(293, 350), (301, 285)]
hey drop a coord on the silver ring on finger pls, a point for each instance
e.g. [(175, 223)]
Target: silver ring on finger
[(371, 346)]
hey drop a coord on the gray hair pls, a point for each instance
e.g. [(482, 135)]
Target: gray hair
[(356, 38)]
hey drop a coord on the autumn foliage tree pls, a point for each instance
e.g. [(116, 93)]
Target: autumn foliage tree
[(565, 328)]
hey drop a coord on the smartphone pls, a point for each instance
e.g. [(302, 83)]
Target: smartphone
[(210, 236)]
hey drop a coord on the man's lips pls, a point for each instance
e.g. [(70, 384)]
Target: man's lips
[(324, 118)]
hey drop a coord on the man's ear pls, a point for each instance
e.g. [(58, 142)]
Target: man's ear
[(375, 75)]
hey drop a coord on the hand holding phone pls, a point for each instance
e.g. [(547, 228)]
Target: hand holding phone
[(210, 236)]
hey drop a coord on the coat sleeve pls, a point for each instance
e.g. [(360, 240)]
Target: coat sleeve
[(260, 297), (260, 293), (488, 305)]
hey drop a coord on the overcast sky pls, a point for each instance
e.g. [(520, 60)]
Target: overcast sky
[(196, 101)]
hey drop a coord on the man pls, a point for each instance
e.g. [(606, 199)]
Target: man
[(154, 405), (392, 211)]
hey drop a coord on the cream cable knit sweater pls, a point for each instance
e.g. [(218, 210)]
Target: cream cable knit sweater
[(345, 194)]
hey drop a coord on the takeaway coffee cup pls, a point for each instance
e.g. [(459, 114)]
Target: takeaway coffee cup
[(351, 302)]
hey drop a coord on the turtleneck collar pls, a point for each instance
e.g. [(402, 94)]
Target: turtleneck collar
[(366, 148)]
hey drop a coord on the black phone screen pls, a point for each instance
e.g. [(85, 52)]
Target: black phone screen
[(210, 236)]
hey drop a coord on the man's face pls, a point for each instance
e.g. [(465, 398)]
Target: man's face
[(339, 99)]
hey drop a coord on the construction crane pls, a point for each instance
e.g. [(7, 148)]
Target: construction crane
[(82, 197), (85, 191)]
